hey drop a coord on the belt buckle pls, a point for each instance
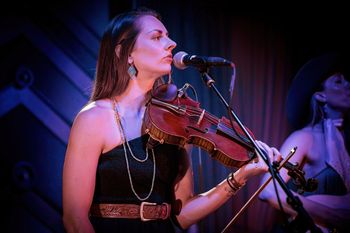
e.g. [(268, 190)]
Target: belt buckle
[(141, 210)]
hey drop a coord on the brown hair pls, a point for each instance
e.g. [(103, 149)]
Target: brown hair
[(111, 70)]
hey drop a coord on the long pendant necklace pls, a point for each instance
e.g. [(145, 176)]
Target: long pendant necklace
[(125, 141)]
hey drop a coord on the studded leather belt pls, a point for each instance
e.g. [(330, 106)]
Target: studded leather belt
[(146, 211)]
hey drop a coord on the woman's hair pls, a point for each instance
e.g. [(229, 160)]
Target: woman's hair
[(118, 40)]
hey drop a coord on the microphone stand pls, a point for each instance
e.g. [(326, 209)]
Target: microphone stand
[(293, 201)]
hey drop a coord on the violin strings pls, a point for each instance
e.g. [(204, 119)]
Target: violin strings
[(209, 116), (226, 129)]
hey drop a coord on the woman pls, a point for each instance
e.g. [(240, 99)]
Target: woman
[(323, 144), (110, 180)]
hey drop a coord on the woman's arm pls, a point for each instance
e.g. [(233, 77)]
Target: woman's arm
[(197, 207), (329, 210)]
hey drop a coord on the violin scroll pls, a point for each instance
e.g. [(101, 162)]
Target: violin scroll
[(297, 175)]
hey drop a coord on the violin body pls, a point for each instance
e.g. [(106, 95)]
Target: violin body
[(177, 119)]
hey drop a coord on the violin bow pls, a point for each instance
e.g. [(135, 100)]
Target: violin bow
[(291, 153)]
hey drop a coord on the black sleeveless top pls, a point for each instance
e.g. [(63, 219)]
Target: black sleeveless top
[(113, 184)]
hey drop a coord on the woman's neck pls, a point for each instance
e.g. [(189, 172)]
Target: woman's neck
[(332, 113), (133, 100)]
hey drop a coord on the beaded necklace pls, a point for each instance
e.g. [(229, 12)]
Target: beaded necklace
[(125, 141)]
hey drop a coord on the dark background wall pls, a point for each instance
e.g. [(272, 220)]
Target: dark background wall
[(47, 62)]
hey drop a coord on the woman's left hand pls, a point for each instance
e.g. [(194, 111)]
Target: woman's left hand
[(258, 166)]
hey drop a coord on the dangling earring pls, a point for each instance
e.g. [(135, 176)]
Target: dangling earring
[(132, 71), (169, 78)]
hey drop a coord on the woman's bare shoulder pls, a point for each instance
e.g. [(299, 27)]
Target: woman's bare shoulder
[(305, 133), (96, 113), (301, 138), (96, 110)]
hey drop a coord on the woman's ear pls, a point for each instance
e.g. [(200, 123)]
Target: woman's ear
[(321, 97), (130, 60)]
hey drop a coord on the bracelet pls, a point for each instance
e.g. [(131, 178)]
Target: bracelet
[(233, 188), (233, 183)]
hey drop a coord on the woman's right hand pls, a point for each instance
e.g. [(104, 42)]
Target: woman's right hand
[(258, 166)]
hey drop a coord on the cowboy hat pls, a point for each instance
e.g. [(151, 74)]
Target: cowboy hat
[(307, 81)]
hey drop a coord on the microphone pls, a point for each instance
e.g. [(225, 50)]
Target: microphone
[(182, 60)]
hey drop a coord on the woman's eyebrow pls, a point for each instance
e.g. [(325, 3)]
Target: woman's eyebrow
[(159, 31)]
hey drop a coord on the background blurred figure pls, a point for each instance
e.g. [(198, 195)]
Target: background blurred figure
[(322, 84)]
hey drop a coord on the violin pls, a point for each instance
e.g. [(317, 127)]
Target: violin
[(172, 117)]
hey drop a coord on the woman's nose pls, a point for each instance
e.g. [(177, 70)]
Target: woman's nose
[(171, 44)]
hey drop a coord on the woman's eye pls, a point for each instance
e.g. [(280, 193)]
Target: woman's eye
[(157, 37)]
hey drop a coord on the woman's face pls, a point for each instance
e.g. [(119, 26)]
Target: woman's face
[(337, 92), (152, 53)]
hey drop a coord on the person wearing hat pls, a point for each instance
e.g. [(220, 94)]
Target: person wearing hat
[(322, 136)]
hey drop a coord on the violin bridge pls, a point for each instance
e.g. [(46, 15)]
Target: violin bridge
[(201, 117)]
